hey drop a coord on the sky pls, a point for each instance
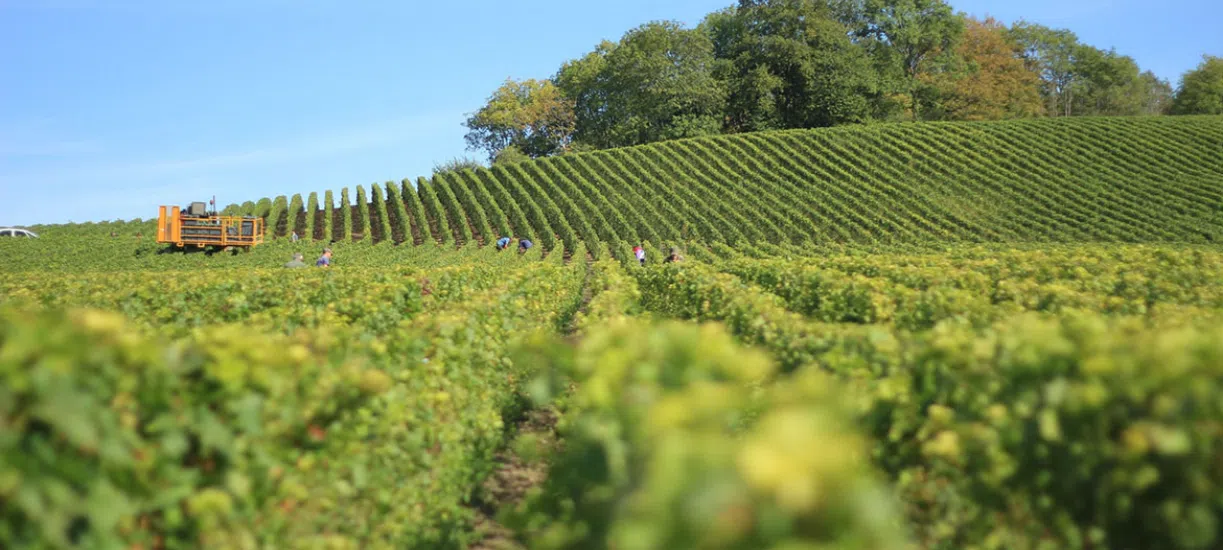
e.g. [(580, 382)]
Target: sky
[(109, 108)]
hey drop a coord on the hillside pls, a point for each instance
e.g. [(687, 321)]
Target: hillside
[(824, 369), (1061, 180), (1131, 179)]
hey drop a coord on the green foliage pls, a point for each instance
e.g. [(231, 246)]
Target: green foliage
[(533, 116), (1072, 433), (1036, 406), (346, 221), (656, 83), (657, 453), (988, 396), (416, 210), (361, 220), (782, 64), (263, 207), (509, 155), (328, 216), (992, 83), (400, 224), (789, 65), (439, 226), (1112, 84), (1148, 179), (181, 427), (1201, 90), (457, 164), (118, 439), (293, 214), (278, 217), (380, 218), (1079, 79), (906, 39), (312, 208)]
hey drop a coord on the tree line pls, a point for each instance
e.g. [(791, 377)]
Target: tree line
[(782, 64)]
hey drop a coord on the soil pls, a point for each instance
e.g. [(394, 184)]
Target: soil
[(508, 485), (514, 477)]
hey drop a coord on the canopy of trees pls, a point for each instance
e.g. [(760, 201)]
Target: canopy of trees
[(991, 83), (532, 115), (657, 83), (778, 64), (1201, 90)]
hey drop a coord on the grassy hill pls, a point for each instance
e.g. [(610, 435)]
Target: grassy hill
[(1131, 179), (773, 389), (1157, 179)]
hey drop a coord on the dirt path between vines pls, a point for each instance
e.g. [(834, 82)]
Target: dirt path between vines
[(515, 476), (508, 485)]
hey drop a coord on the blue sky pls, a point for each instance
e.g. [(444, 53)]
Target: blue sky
[(109, 108)]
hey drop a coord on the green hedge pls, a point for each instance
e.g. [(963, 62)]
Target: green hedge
[(1074, 432)]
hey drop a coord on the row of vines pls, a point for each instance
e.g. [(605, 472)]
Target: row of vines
[(1089, 421), (1128, 180), (1088, 179), (354, 408)]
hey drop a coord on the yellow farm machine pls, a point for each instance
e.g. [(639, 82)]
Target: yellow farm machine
[(196, 226)]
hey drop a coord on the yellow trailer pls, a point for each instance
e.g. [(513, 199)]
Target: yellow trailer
[(197, 227)]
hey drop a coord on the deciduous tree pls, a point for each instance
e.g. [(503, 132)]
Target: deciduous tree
[(1050, 53), (657, 83), (993, 82), (789, 64), (907, 39), (1109, 84), (456, 164), (1201, 90), (533, 115)]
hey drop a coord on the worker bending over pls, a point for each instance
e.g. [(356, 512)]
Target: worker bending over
[(523, 245), (296, 261), (325, 259), (503, 243), (639, 252)]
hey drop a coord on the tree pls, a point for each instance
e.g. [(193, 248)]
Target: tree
[(789, 64), (1158, 96), (532, 115), (1051, 54), (994, 82), (1109, 84), (578, 79), (907, 39), (1201, 90), (510, 155), (457, 164), (657, 83), (1078, 79)]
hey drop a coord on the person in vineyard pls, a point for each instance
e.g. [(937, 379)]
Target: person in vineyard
[(673, 257), (639, 252), (325, 259), (523, 245), (503, 243), (296, 261)]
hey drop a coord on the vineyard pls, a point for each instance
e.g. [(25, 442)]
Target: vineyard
[(983, 335), (1147, 179)]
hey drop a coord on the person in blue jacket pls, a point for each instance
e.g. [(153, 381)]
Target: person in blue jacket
[(503, 243), (523, 245)]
